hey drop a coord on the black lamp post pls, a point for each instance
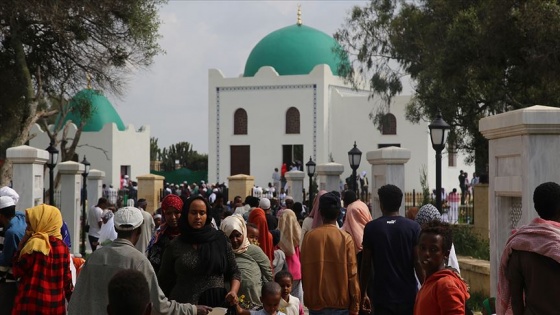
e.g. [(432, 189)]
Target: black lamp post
[(53, 159), (84, 199), (310, 172), (438, 133), (354, 156)]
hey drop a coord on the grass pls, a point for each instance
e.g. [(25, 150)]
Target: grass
[(468, 243)]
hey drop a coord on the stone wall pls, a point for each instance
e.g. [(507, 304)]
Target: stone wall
[(476, 273)]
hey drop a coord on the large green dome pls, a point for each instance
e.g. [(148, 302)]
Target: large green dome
[(102, 111), (293, 50)]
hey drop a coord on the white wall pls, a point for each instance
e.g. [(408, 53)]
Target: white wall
[(266, 110), (342, 117), (107, 149)]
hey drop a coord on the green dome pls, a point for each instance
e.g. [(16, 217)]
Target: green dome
[(293, 50), (102, 112)]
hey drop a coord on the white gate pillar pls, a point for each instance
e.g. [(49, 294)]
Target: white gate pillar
[(523, 153), (70, 196), (387, 167), (329, 176), (295, 184), (28, 172)]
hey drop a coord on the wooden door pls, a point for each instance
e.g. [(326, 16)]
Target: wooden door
[(240, 158)]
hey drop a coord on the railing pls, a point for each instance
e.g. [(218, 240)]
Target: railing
[(454, 213)]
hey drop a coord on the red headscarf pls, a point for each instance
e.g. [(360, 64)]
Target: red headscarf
[(258, 218), (172, 200)]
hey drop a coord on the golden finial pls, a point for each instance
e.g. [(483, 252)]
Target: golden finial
[(299, 22), (88, 76)]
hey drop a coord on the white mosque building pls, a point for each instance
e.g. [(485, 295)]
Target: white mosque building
[(290, 104), (108, 144)]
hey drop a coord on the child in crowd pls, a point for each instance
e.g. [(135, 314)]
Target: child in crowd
[(289, 304), (279, 261), (129, 294), (157, 222), (271, 295), (443, 292), (253, 234)]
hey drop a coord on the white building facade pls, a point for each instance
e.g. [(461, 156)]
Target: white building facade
[(290, 106), (106, 142)]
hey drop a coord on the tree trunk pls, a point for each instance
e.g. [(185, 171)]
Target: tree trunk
[(25, 78)]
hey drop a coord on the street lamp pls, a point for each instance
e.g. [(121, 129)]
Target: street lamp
[(310, 172), (84, 199), (438, 133), (354, 156), (53, 158)]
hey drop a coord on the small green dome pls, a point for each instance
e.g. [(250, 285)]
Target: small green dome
[(102, 111), (294, 50)]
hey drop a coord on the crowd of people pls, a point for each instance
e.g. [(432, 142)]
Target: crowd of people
[(252, 258)]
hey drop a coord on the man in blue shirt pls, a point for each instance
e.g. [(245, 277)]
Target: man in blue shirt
[(14, 228), (390, 255)]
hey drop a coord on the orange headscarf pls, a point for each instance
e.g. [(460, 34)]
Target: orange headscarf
[(258, 218), (44, 221)]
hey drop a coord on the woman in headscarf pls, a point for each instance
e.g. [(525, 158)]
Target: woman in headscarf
[(357, 216), (251, 260), (258, 217), (314, 219), (428, 213), (197, 264), (171, 207), (290, 237), (42, 265)]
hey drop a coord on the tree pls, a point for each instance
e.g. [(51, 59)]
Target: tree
[(155, 151), (470, 59), (48, 47), (187, 157)]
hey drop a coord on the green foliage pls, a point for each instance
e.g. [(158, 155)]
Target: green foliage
[(187, 157), (475, 301), (469, 58), (155, 152), (48, 47), (425, 186), (467, 243)]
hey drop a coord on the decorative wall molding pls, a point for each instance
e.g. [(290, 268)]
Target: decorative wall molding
[(258, 88)]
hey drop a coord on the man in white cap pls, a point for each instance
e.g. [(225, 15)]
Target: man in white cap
[(271, 220), (7, 191), (90, 293), (14, 226)]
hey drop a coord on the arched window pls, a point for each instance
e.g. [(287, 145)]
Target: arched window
[(389, 125), (292, 121), (240, 122)]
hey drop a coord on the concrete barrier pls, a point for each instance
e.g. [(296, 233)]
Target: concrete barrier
[(476, 273)]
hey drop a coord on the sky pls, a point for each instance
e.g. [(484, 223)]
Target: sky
[(172, 95)]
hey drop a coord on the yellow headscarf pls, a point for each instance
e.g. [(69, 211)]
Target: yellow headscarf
[(44, 221)]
